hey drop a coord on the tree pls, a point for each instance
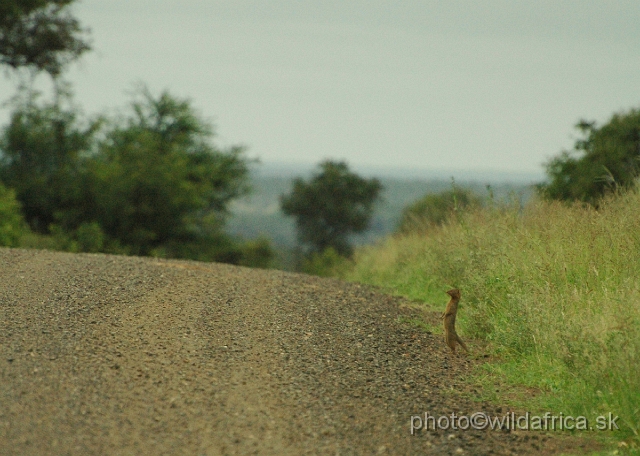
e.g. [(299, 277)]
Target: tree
[(41, 152), (604, 158), (40, 35), (331, 206), (151, 183), (434, 209), (158, 184)]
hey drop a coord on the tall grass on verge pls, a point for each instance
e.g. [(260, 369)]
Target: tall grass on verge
[(553, 289)]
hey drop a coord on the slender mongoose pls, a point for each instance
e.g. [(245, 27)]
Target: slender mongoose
[(449, 317)]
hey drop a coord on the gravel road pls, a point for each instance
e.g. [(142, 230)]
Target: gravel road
[(126, 356)]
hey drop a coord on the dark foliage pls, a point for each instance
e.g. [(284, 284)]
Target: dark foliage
[(41, 35), (605, 158), (41, 157), (157, 181), (152, 183), (329, 207)]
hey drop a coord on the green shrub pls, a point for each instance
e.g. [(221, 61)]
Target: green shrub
[(434, 209), (257, 254), (327, 263), (12, 226)]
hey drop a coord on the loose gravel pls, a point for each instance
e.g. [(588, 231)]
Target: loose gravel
[(125, 356)]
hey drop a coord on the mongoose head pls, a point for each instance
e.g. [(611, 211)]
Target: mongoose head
[(454, 293)]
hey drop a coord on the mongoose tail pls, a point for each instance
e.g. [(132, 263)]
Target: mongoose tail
[(462, 343)]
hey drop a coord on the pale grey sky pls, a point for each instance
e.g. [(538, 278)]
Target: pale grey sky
[(485, 85)]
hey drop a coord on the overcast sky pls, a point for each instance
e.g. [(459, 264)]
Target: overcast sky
[(485, 85)]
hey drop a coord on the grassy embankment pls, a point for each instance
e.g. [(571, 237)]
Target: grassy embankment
[(553, 291)]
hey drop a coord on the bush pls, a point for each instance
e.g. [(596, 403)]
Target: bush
[(434, 209), (325, 264), (12, 226), (88, 237), (257, 254)]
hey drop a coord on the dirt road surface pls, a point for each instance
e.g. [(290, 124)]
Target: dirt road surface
[(128, 356)]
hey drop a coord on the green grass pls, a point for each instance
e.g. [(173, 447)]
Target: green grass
[(552, 291)]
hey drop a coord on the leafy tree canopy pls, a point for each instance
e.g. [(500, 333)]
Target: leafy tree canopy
[(331, 205), (151, 183), (604, 158), (41, 151), (158, 181), (41, 35)]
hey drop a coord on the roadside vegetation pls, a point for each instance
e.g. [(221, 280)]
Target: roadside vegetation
[(550, 289)]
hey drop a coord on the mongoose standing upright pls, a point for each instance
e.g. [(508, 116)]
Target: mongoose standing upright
[(449, 316)]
